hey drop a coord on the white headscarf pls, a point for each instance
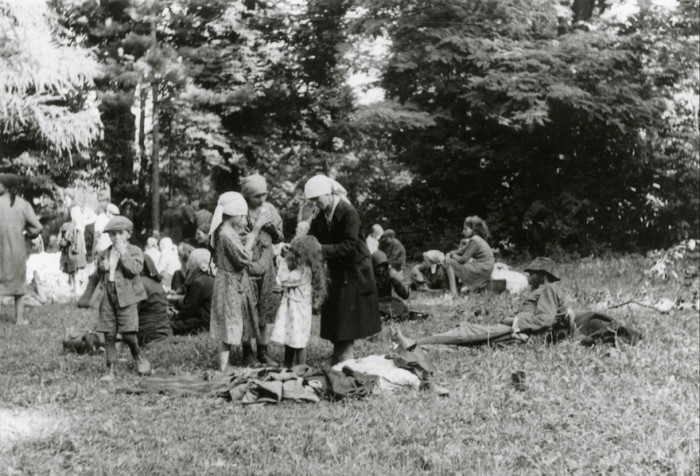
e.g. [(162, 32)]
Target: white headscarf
[(322, 185), (169, 261), (231, 204)]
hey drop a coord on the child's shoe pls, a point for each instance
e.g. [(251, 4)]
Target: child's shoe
[(143, 367)]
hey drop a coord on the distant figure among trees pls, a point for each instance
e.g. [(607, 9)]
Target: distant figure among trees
[(18, 217)]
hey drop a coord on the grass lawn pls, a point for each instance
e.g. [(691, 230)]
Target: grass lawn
[(585, 410)]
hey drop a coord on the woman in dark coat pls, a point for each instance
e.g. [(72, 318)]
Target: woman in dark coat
[(154, 324), (351, 309)]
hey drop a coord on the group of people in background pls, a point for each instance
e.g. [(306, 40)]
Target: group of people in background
[(230, 273)]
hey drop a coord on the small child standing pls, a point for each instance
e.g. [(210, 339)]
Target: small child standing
[(119, 268), (303, 279)]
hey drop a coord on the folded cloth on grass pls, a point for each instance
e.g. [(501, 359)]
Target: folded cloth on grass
[(390, 376), (268, 385)]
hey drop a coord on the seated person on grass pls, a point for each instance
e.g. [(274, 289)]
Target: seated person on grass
[(542, 315), (154, 324), (194, 308), (388, 281), (431, 275)]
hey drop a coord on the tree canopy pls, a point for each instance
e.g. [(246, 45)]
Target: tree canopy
[(568, 128)]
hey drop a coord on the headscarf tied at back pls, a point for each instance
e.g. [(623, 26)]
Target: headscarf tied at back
[(253, 185), (199, 260), (322, 185), (231, 204)]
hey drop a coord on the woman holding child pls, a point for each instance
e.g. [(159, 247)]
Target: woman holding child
[(351, 310)]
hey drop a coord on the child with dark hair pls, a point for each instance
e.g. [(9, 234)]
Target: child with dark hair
[(303, 279), (471, 264)]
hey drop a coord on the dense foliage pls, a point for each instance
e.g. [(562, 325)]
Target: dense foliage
[(568, 128)]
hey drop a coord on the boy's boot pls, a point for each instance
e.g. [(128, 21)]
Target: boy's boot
[(264, 358), (111, 373), (142, 366)]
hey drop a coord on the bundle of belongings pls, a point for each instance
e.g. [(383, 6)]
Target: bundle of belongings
[(300, 383), (83, 342)]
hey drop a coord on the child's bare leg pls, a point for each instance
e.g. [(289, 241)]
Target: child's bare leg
[(301, 356), (224, 350), (452, 280), (110, 355), (19, 311)]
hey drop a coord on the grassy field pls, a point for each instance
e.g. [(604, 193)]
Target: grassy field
[(594, 410)]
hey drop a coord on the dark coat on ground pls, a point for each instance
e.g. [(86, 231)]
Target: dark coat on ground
[(195, 312), (351, 309)]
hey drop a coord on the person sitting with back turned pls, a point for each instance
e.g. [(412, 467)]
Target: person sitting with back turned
[(195, 308), (373, 238), (154, 324), (394, 251), (389, 281)]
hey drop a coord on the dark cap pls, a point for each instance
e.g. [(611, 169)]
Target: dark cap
[(378, 258), (118, 223)]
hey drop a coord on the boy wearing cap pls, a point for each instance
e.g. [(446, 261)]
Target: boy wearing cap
[(119, 268)]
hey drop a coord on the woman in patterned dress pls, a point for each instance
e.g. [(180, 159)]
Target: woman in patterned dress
[(262, 269)]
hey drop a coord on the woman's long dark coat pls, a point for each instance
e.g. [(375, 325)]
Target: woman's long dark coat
[(351, 309)]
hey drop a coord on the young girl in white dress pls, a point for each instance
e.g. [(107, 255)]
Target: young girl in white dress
[(303, 279)]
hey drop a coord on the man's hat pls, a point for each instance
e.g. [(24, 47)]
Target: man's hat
[(379, 258), (118, 223), (543, 265)]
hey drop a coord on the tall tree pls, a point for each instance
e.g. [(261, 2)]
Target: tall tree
[(46, 102)]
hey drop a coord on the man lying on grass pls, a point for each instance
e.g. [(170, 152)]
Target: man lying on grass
[(542, 315)]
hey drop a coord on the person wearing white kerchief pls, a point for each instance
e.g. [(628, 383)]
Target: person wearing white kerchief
[(351, 310), (169, 261), (263, 270), (234, 316)]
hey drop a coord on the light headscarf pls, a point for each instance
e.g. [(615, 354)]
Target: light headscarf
[(199, 260), (231, 204), (169, 261), (253, 185), (434, 258), (78, 219), (322, 185)]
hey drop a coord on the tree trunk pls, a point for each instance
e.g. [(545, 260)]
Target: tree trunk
[(155, 163)]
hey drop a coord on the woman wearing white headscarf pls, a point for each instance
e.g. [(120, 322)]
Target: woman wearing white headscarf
[(234, 317), (262, 269), (169, 261), (351, 309)]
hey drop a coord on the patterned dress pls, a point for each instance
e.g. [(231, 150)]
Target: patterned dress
[(262, 268), (234, 317), (293, 323)]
